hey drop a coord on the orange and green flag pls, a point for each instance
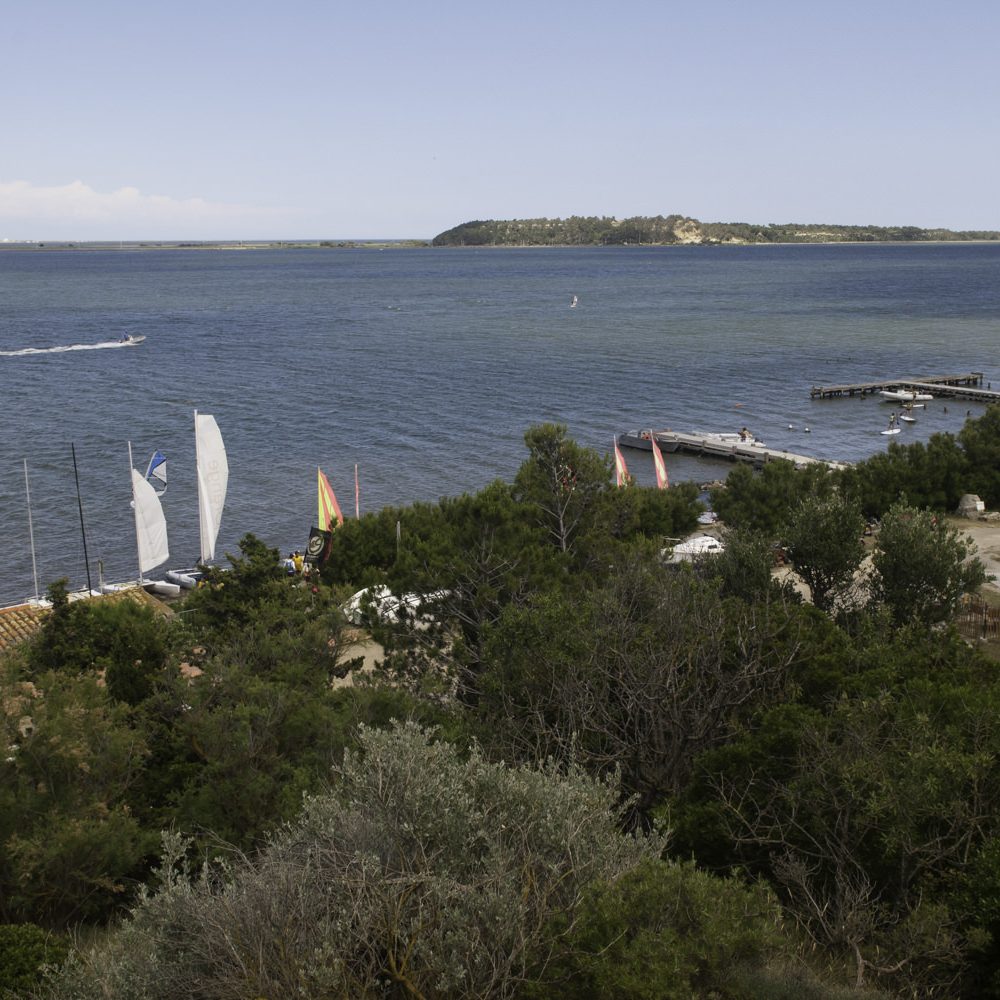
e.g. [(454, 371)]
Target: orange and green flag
[(329, 510)]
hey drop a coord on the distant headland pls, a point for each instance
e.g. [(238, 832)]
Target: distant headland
[(575, 231), (673, 230)]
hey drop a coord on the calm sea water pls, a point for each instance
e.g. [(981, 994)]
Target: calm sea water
[(425, 367)]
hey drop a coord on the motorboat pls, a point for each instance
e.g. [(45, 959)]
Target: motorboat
[(904, 396)]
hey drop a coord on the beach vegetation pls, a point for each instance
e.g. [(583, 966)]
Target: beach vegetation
[(822, 539), (577, 769), (923, 566)]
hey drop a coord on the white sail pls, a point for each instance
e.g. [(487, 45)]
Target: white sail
[(150, 524), (213, 478)]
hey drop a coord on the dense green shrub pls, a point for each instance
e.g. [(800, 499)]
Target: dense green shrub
[(24, 950), (425, 872), (661, 932)]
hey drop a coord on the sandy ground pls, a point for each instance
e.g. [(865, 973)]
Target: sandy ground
[(359, 643), (986, 535)]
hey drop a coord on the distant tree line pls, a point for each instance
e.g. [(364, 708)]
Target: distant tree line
[(672, 229)]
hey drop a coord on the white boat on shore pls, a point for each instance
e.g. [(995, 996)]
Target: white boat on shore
[(694, 548)]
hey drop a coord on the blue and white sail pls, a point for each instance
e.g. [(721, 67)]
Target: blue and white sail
[(156, 473), (213, 480)]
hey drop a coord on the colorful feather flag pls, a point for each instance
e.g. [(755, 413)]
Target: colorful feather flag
[(658, 463), (621, 470), (329, 510)]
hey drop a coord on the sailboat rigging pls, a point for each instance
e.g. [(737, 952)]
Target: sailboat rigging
[(83, 527), (31, 530)]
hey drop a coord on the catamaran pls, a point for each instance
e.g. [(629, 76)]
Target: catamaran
[(213, 481), (150, 530)]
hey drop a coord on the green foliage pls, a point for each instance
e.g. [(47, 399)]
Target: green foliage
[(426, 872), (24, 950), (860, 813), (922, 566), (121, 637), (823, 541), (70, 848), (980, 440), (932, 475), (661, 932), (744, 567), (763, 501), (562, 482), (660, 230), (638, 673)]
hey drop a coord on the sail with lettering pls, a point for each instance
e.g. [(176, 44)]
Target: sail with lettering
[(658, 463), (213, 479), (150, 524)]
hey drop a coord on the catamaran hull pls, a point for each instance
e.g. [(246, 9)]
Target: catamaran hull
[(186, 578)]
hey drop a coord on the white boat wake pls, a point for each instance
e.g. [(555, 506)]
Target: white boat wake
[(103, 345)]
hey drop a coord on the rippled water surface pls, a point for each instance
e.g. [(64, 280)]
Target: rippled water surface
[(425, 367)]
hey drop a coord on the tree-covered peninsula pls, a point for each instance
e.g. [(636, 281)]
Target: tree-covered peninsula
[(671, 230)]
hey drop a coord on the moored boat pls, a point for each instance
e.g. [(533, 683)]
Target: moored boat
[(904, 396)]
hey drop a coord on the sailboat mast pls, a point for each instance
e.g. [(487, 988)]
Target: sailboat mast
[(197, 472), (31, 530), (83, 530), (135, 509)]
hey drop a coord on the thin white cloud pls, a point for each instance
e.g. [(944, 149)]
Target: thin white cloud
[(76, 209)]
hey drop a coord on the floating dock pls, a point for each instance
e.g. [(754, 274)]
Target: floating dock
[(966, 386), (727, 446)]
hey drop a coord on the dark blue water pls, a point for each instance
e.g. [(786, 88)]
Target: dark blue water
[(425, 367)]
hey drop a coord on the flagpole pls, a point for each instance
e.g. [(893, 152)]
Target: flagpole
[(31, 530), (357, 495), (83, 530)]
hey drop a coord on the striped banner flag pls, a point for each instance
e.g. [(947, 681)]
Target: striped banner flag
[(329, 510), (658, 463), (621, 470)]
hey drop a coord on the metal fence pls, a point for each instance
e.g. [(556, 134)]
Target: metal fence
[(977, 620)]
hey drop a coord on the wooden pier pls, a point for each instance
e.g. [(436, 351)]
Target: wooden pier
[(726, 446), (967, 386)]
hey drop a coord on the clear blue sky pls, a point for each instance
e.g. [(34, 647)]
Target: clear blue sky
[(402, 118)]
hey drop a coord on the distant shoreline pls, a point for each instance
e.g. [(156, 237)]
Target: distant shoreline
[(118, 247), (131, 245)]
